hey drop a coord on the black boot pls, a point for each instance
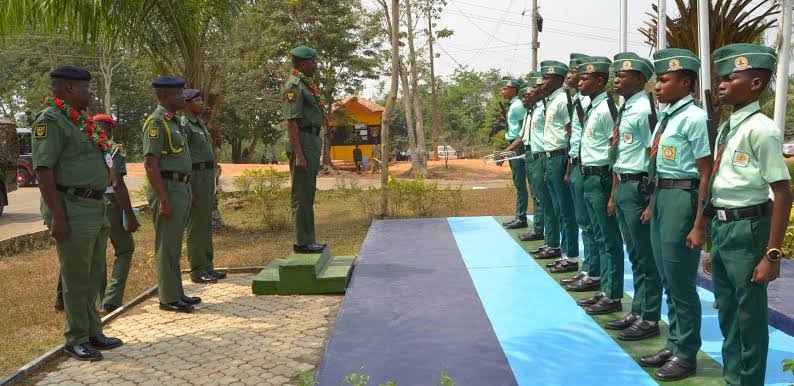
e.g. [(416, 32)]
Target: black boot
[(675, 369)]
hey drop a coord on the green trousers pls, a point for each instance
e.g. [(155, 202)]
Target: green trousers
[(630, 200), (168, 236), (124, 247), (199, 224), (519, 171), (592, 261), (597, 189), (551, 225), (82, 258), (537, 206), (563, 204), (736, 249), (304, 187), (673, 217)]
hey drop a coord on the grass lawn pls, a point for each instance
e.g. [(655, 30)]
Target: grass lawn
[(30, 326)]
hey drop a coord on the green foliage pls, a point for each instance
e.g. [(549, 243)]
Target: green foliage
[(358, 378), (306, 378), (445, 380), (264, 188), (788, 367)]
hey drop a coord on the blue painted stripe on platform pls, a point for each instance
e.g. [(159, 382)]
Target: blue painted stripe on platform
[(547, 338)]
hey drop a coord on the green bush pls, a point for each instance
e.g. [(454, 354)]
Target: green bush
[(265, 189)]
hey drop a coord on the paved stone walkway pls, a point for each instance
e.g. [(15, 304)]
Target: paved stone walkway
[(234, 338)]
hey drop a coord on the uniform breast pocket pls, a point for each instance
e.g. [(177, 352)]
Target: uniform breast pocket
[(175, 138), (670, 148)]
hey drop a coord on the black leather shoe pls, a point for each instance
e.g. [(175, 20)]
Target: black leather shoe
[(103, 342), (83, 352), (585, 284), (622, 323), (551, 253), (675, 369), (217, 274), (555, 262), (179, 306), (539, 249), (565, 266), (531, 236), (587, 302), (311, 248), (641, 329), (577, 277), (204, 278), (107, 308), (605, 306), (506, 223), (518, 224), (192, 300), (320, 245), (657, 359)]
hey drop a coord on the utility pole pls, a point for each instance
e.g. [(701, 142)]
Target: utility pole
[(661, 28), (704, 51), (624, 21), (433, 96), (535, 43), (783, 55)]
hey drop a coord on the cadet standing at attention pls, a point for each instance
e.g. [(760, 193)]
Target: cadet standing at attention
[(304, 115), (515, 113), (679, 169), (530, 101), (628, 153), (168, 166), (555, 147), (202, 185), (747, 230), (71, 158)]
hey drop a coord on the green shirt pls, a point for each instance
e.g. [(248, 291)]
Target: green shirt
[(555, 134), (576, 126), (634, 135), (538, 125), (598, 127), (357, 156), (198, 139), (66, 150), (162, 138), (750, 162), (515, 113), (685, 140), (300, 104)]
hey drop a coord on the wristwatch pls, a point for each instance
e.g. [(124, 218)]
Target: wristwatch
[(774, 255)]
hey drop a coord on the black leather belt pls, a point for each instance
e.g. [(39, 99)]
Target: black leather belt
[(555, 153), (95, 194), (599, 170), (736, 214), (176, 176), (310, 130), (575, 161), (626, 177), (539, 154), (669, 183), (204, 165)]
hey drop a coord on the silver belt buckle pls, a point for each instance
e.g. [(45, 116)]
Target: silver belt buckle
[(548, 154), (620, 177), (722, 215)]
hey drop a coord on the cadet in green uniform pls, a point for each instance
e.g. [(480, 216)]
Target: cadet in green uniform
[(629, 156), (117, 206), (71, 158), (304, 115), (530, 101), (202, 185), (168, 167), (515, 114), (555, 147), (679, 169), (591, 264), (747, 230)]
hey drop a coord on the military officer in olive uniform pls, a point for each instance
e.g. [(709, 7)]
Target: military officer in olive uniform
[(168, 167), (72, 171), (202, 185), (679, 170), (304, 115), (747, 230)]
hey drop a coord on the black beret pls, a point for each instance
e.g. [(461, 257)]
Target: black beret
[(164, 81), (191, 93), (71, 72)]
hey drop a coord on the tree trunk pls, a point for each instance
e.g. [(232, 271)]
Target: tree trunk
[(252, 146), (420, 165), (409, 115), (433, 96), (394, 28), (327, 165), (237, 150)]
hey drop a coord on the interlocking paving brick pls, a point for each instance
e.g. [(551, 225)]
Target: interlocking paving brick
[(233, 338)]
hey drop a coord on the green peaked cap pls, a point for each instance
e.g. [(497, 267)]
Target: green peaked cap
[(594, 64), (535, 78), (553, 67), (744, 56), (303, 52), (575, 60), (523, 91), (626, 61), (675, 59), (512, 82)]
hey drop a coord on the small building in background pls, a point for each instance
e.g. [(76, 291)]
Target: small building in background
[(354, 120)]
